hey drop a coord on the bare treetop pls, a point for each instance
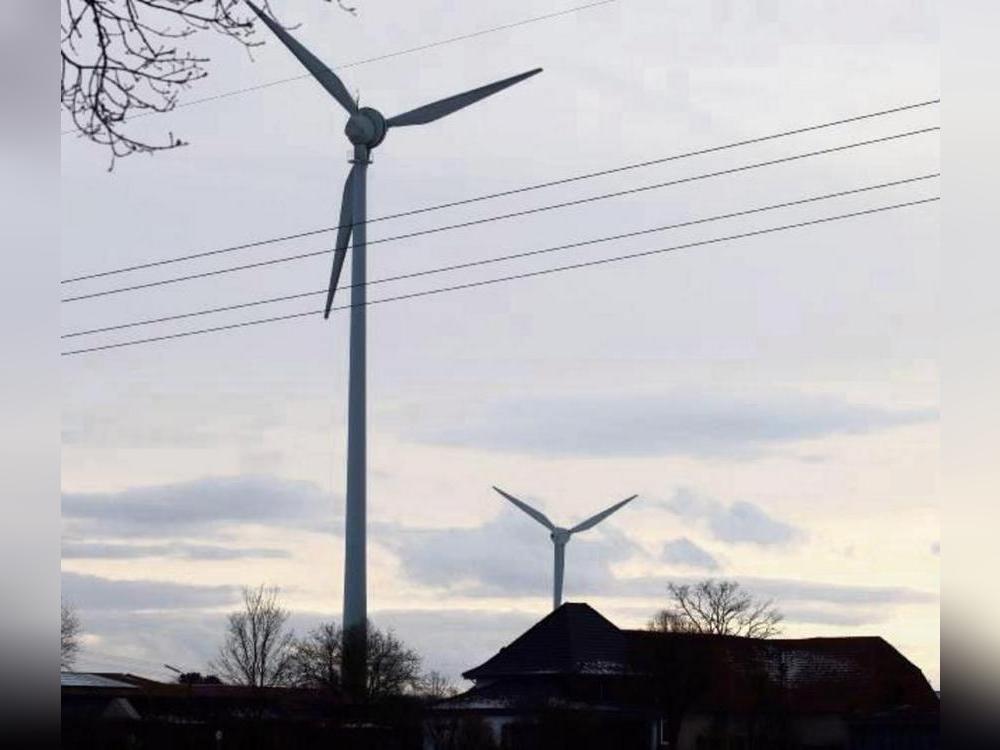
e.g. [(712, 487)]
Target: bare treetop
[(393, 668), (718, 607), (258, 649)]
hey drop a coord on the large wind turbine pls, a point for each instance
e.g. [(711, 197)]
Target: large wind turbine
[(560, 536), (365, 129)]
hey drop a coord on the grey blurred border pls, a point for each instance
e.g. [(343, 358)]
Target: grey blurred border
[(29, 240), (970, 307), (29, 398)]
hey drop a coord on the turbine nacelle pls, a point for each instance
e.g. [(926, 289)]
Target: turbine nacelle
[(366, 127), (560, 536)]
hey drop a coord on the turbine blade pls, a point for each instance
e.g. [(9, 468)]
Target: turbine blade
[(438, 109), (343, 237), (536, 514), (596, 519), (326, 77)]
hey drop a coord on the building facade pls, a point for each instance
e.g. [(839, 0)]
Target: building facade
[(575, 680)]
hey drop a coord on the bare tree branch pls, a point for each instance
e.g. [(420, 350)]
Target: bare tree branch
[(257, 650), (70, 640), (122, 58), (317, 657), (393, 668), (719, 607)]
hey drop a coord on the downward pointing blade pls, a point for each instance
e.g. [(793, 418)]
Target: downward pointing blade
[(326, 77), (343, 236), (536, 514), (438, 109), (596, 519)]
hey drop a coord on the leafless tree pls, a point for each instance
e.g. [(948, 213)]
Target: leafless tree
[(720, 607), (393, 668), (317, 657), (70, 640), (258, 649), (126, 58), (436, 685), (669, 621)]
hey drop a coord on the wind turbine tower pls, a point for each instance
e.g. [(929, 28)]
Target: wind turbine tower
[(366, 128), (561, 536)]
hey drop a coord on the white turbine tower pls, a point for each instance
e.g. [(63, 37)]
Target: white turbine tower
[(365, 129), (560, 537)]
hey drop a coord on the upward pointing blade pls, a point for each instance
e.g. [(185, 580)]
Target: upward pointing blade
[(536, 514), (343, 236), (327, 78), (596, 519), (438, 109)]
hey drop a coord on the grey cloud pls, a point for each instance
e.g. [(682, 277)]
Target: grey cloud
[(783, 590), (684, 552), (690, 423), (853, 617), (90, 592), (788, 592), (195, 506), (737, 522), (507, 556), (141, 642), (72, 550)]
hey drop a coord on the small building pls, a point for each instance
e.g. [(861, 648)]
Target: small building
[(575, 680), (121, 710)]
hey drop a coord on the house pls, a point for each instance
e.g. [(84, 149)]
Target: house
[(112, 710), (576, 680)]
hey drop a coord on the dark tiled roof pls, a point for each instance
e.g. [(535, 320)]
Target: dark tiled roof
[(516, 695), (149, 692), (93, 681), (573, 639), (858, 676), (853, 675)]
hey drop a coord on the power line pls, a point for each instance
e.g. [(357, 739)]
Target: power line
[(503, 193), (500, 217), (367, 60), (515, 277), (503, 258)]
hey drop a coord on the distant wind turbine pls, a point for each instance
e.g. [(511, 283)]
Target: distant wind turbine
[(366, 128), (560, 536)]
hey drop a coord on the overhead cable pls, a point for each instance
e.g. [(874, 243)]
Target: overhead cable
[(503, 258), (500, 217), (499, 194), (503, 279)]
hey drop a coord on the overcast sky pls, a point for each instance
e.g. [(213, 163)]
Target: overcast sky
[(773, 401)]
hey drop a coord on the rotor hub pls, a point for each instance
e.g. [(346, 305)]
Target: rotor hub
[(559, 536), (366, 127)]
